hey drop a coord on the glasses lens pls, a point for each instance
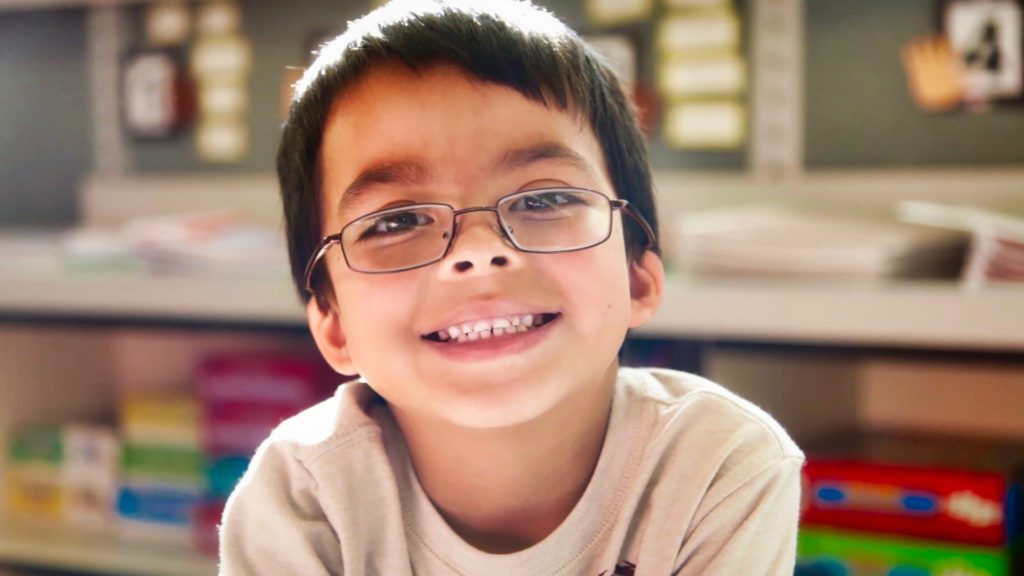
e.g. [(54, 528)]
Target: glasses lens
[(397, 238), (556, 220)]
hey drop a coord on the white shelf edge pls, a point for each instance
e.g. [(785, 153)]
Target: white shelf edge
[(60, 547), (920, 314), (174, 298), (896, 313)]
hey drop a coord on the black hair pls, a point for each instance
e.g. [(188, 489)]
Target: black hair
[(509, 43)]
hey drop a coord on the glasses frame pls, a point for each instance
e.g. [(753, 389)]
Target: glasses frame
[(614, 204)]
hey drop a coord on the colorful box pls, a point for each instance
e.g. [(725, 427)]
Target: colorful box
[(222, 474), (245, 395), (35, 493), (288, 379), (828, 552), (950, 489), (173, 464), (63, 473), (157, 512), (160, 418), (91, 466), (206, 527)]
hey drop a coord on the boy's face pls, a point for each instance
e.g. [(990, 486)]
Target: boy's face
[(440, 136)]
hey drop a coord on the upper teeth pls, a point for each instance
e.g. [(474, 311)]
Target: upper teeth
[(486, 328)]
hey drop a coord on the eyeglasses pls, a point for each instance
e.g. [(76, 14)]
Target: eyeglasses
[(547, 220)]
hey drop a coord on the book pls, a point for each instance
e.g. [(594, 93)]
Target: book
[(933, 487), (830, 552)]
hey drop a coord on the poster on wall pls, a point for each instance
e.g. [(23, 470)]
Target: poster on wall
[(702, 75), (986, 39), (617, 12), (157, 96), (221, 62)]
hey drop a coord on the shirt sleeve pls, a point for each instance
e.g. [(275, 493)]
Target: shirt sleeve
[(273, 523), (752, 530)]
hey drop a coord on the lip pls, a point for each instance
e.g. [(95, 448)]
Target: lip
[(489, 311), (495, 347)]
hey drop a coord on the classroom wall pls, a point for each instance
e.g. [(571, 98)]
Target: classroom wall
[(279, 38), (858, 112), (45, 129)]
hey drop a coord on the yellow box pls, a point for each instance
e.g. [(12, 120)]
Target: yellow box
[(35, 492)]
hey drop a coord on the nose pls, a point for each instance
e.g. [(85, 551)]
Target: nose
[(479, 247)]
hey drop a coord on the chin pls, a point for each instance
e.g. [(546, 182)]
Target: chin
[(505, 405)]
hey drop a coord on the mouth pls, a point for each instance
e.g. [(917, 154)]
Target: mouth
[(491, 328)]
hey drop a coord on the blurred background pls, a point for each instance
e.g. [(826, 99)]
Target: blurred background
[(841, 196)]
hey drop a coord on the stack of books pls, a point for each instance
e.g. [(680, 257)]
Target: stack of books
[(997, 238), (242, 397), (63, 473), (877, 503), (220, 243), (793, 241), (162, 466), (165, 471)]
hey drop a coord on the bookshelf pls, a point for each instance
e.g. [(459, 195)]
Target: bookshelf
[(919, 314), (940, 316), (131, 327), (61, 548)]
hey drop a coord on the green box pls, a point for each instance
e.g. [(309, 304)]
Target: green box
[(845, 553), (36, 444), (173, 463)]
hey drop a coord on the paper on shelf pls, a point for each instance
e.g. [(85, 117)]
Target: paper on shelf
[(997, 238), (218, 243), (789, 240)]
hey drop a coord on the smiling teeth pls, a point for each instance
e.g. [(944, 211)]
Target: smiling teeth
[(483, 329)]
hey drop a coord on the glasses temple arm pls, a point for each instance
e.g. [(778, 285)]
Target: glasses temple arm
[(321, 249), (628, 208)]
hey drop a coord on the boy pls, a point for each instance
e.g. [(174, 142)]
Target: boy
[(470, 219)]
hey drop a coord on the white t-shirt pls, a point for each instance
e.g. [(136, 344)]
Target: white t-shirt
[(691, 480)]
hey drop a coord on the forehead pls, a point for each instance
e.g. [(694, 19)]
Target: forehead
[(428, 85), (441, 126)]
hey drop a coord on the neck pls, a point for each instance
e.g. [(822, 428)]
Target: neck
[(506, 489)]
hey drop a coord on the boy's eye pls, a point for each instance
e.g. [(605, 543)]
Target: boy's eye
[(395, 223), (542, 201)]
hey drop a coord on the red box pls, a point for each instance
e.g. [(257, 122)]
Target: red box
[(950, 489), (243, 396), (271, 378), (205, 523)]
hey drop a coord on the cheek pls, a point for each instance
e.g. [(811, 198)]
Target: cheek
[(373, 306), (375, 320), (597, 285)]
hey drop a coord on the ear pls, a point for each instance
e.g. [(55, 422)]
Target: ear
[(646, 282), (329, 335)]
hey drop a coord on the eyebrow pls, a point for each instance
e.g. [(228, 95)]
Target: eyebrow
[(544, 151), (405, 171)]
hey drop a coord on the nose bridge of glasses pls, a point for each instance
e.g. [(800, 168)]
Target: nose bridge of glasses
[(493, 222)]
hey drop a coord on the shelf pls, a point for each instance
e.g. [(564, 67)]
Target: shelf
[(133, 297), (901, 314), (61, 548), (884, 314)]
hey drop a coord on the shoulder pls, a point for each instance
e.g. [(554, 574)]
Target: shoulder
[(341, 420), (327, 452), (278, 519), (718, 484), (698, 419)]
